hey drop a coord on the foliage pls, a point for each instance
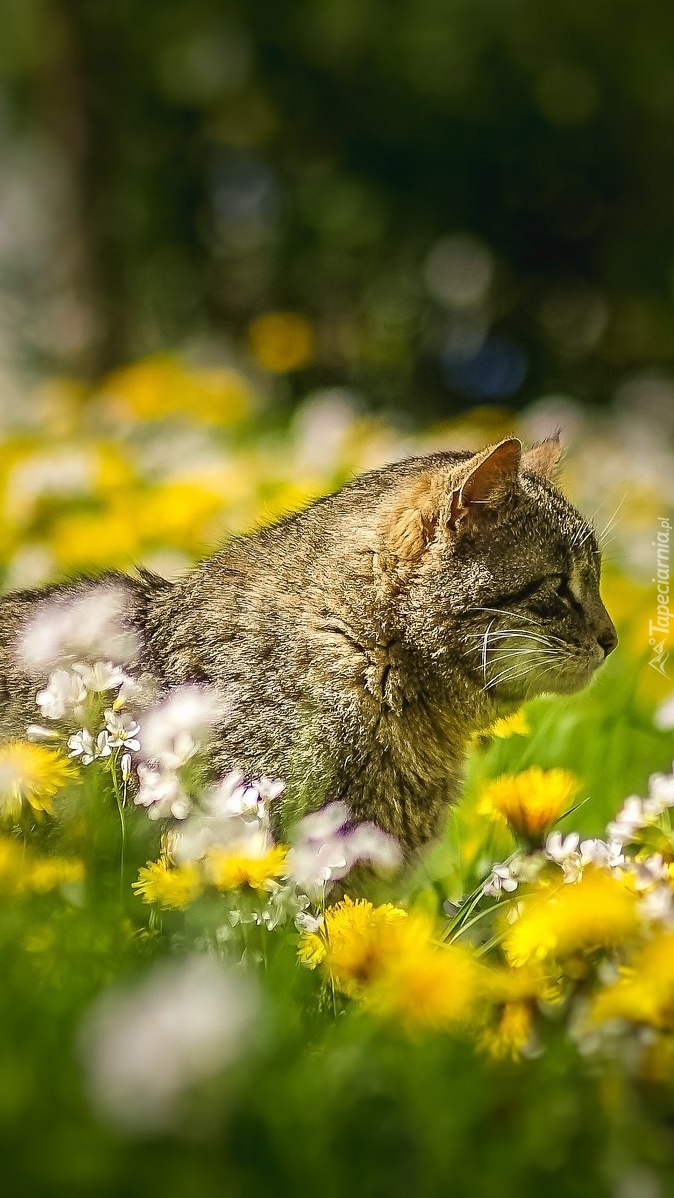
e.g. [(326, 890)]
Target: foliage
[(446, 201)]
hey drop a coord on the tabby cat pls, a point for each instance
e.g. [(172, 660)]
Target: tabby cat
[(358, 644)]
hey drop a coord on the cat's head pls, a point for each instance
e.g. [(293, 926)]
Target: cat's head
[(502, 573)]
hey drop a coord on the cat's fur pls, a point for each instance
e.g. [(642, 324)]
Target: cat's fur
[(358, 644)]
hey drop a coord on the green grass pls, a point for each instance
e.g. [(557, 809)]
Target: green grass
[(326, 1100)]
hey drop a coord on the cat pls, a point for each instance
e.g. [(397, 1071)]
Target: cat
[(357, 645)]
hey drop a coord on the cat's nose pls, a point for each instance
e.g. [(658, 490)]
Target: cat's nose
[(608, 639)]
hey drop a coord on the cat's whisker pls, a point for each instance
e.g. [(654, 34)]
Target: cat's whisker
[(484, 650), (525, 634), (511, 673), (525, 652), (500, 632), (589, 532), (588, 526), (609, 525), (581, 535), (537, 658), (502, 611), (519, 651)]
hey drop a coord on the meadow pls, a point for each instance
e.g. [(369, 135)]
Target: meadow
[(185, 1007)]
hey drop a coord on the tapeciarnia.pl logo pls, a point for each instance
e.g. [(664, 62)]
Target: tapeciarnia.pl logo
[(658, 629)]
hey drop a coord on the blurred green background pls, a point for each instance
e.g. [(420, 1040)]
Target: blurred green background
[(440, 203)]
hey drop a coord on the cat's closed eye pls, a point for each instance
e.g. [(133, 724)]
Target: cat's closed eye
[(531, 590), (565, 592), (559, 584)]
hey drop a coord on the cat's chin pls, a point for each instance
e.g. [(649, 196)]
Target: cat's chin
[(566, 682), (570, 680)]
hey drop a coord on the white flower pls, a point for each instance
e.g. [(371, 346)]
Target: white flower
[(563, 850), (54, 470), (232, 797), (125, 765), (92, 625), (223, 800), (603, 854), (572, 869), (321, 852), (630, 819), (83, 745), (218, 824), (143, 1049), (660, 793), (195, 837), (649, 871), (367, 842), (269, 789), (101, 676), (664, 714), (306, 922), (312, 865), (500, 881), (323, 824), (64, 692), (174, 730), (161, 792), (123, 730), (181, 749), (559, 848), (131, 691), (325, 850), (37, 732), (658, 905), (229, 814)]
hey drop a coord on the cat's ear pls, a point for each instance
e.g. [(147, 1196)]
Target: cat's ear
[(414, 517), (465, 501), (490, 481), (544, 457)]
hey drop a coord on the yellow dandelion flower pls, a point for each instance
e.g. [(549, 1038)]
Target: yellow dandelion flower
[(657, 1062), (281, 341), (182, 512), (423, 985), (229, 868), (645, 991), (11, 864), (113, 472), (31, 775), (514, 993), (22, 873), (352, 941), (47, 873), (524, 984), (509, 1036), (160, 387), (171, 886), (529, 802), (516, 724), (219, 395), (86, 539), (557, 922), (312, 948)]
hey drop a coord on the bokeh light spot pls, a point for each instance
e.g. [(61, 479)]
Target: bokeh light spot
[(281, 341), (494, 369)]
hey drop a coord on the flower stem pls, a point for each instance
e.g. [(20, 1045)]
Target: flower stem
[(121, 799)]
